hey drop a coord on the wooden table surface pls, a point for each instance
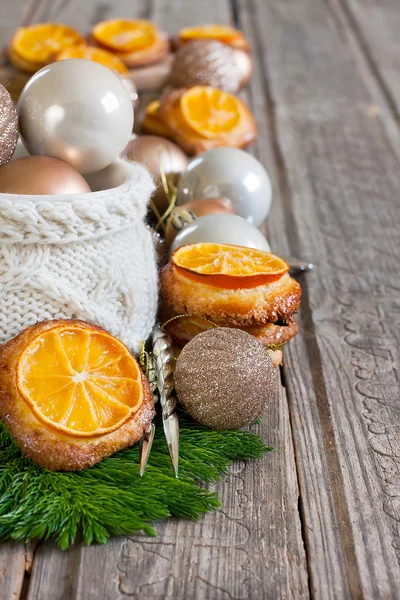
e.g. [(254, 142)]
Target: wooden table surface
[(320, 516)]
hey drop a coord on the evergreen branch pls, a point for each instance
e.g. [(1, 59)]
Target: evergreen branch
[(111, 498)]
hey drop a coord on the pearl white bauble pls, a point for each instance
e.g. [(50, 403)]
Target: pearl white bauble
[(231, 173), (77, 111), (221, 229)]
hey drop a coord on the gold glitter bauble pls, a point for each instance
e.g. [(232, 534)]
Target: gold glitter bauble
[(8, 126), (206, 62), (225, 378)]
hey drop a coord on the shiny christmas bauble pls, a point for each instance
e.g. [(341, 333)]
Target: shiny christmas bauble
[(206, 62), (225, 378), (77, 111), (221, 229), (182, 215), (8, 126), (231, 173), (41, 175), (156, 154)]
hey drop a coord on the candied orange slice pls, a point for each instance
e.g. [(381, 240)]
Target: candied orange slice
[(97, 55), (223, 33), (152, 121), (36, 45), (125, 35), (231, 267), (79, 379), (209, 111)]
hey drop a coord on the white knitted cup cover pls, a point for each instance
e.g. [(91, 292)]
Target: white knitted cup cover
[(84, 256)]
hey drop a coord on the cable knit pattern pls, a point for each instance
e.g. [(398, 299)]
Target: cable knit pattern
[(84, 256)]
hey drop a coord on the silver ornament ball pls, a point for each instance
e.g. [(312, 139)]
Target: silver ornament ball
[(77, 111), (231, 173), (221, 229)]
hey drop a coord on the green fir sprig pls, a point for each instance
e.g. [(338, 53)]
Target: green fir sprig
[(111, 498)]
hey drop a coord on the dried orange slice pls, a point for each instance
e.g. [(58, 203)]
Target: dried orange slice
[(230, 267), (125, 35), (33, 47), (209, 111), (152, 121), (223, 33), (97, 55), (79, 379)]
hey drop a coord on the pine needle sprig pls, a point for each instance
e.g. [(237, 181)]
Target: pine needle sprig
[(111, 498)]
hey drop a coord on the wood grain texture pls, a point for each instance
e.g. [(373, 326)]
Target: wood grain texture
[(84, 14), (376, 25), (14, 14), (14, 556), (12, 570), (325, 94), (337, 169), (253, 548)]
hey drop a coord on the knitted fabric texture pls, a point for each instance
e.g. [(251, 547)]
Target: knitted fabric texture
[(83, 256)]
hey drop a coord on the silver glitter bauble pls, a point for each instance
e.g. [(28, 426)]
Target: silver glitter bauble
[(77, 111), (206, 62), (8, 126), (225, 378), (231, 173)]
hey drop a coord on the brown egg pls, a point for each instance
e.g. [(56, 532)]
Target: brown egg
[(244, 66), (153, 152), (197, 208), (41, 175)]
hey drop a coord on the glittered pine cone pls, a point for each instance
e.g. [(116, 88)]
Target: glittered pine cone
[(206, 62)]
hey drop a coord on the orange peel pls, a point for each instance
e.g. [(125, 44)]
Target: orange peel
[(229, 267)]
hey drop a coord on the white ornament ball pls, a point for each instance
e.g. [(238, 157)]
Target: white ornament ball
[(77, 111), (221, 229), (233, 174)]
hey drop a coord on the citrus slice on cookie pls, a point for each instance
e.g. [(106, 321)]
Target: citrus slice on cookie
[(124, 35), (209, 111), (105, 58), (223, 33), (79, 379), (231, 267), (33, 47)]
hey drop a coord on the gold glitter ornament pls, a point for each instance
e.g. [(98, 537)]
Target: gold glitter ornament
[(225, 378), (206, 62), (8, 126)]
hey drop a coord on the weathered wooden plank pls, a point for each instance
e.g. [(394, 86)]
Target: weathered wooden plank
[(14, 14), (13, 556), (338, 198), (12, 570), (376, 26), (172, 16), (251, 549), (83, 15)]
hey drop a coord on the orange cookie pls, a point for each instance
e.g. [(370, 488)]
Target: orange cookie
[(136, 42), (223, 33), (97, 55), (202, 117), (33, 47), (72, 394)]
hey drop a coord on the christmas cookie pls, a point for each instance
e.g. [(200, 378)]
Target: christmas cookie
[(201, 118), (230, 286), (72, 394)]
